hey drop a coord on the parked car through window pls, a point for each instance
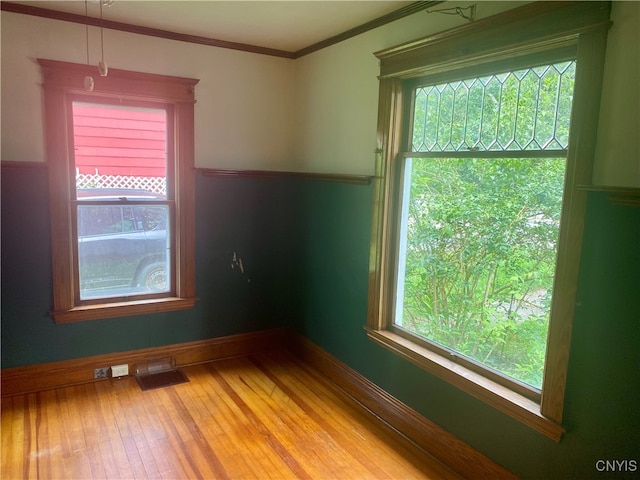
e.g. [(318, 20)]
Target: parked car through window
[(123, 249)]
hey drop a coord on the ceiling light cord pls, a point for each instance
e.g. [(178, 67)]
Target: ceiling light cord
[(86, 28), (102, 66), (88, 79)]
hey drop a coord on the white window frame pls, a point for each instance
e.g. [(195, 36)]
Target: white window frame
[(518, 37)]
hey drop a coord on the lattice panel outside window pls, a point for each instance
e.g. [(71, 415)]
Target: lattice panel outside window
[(151, 184)]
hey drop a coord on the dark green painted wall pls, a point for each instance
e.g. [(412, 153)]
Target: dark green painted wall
[(602, 411), (305, 246), (232, 215)]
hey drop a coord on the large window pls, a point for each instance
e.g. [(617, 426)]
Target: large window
[(121, 181), (482, 192), (477, 224)]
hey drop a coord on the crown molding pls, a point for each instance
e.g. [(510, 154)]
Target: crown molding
[(214, 42)]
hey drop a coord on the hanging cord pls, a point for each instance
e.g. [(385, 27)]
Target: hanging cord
[(102, 66), (101, 33), (86, 27), (460, 11), (88, 79)]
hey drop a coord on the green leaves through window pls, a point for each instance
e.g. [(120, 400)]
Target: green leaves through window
[(482, 192)]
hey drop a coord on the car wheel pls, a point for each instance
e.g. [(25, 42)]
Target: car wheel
[(153, 278)]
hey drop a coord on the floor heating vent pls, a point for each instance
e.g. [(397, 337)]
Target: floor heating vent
[(158, 373)]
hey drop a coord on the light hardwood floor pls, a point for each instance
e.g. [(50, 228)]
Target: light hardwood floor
[(261, 417)]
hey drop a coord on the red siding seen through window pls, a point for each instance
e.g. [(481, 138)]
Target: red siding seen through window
[(118, 141)]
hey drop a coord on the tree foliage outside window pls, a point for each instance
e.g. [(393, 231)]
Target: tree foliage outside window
[(479, 237), (480, 258)]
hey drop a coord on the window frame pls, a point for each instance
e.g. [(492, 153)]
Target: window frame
[(535, 31), (63, 84)]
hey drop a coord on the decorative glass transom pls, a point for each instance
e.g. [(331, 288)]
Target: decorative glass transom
[(527, 109)]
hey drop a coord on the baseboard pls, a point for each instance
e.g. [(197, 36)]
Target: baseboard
[(457, 455), (46, 376)]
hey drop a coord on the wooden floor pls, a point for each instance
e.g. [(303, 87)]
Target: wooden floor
[(259, 417)]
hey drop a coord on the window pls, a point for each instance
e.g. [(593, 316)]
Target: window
[(485, 134), (121, 183), (124, 250), (480, 217)]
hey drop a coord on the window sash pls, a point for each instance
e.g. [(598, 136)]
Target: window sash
[(458, 358), (396, 303), (130, 295)]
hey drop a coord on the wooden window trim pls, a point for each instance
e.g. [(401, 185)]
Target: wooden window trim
[(533, 29), (498, 396), (62, 81)]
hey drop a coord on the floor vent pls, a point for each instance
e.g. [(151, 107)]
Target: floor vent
[(158, 373)]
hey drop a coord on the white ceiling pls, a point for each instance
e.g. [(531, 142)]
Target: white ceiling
[(284, 25)]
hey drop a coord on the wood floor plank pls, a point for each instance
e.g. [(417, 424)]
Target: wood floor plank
[(152, 437), (45, 444), (115, 449), (148, 435), (50, 449), (30, 435), (356, 420), (214, 418), (213, 464), (294, 429), (123, 452), (328, 426), (261, 417), (179, 432), (242, 440), (12, 437), (253, 430)]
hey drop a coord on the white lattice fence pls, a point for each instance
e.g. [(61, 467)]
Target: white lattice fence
[(152, 184)]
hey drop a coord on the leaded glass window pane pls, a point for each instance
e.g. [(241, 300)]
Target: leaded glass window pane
[(527, 109)]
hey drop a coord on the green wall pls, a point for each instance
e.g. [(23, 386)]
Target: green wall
[(602, 413), (305, 247), (232, 215)]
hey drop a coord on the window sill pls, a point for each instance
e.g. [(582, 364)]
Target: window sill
[(520, 408), (122, 309)]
